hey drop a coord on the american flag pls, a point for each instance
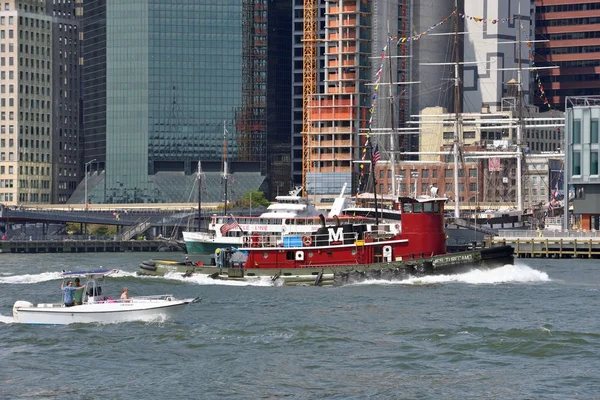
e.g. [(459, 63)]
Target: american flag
[(229, 225), (555, 193), (376, 154)]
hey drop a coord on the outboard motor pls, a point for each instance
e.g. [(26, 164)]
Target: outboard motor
[(223, 258), (219, 253)]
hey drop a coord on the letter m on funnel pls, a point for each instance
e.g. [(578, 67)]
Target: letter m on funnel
[(336, 235)]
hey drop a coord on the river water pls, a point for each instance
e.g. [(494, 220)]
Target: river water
[(529, 331)]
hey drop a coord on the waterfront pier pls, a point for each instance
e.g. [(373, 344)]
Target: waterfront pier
[(86, 246), (549, 244)]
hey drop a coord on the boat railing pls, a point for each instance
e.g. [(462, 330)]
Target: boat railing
[(329, 238), (333, 237), (129, 300), (103, 300), (154, 297)]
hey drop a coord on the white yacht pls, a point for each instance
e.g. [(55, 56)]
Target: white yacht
[(291, 214)]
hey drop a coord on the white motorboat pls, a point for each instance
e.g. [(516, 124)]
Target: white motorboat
[(98, 308)]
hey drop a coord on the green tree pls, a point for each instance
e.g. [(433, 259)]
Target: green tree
[(256, 198), (103, 230), (73, 228)]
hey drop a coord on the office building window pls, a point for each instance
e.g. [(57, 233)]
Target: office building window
[(576, 132), (576, 163)]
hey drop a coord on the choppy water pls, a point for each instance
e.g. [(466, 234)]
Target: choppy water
[(529, 331)]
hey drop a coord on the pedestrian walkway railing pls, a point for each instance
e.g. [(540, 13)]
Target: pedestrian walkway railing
[(135, 230), (548, 234), (466, 224)]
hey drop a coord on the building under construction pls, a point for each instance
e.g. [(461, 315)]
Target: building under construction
[(338, 108)]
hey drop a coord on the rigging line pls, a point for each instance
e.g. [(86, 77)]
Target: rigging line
[(192, 191), (433, 89)]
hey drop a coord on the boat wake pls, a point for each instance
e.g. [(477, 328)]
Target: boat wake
[(504, 274), (123, 274), (31, 278), (201, 279), (5, 319), (50, 276)]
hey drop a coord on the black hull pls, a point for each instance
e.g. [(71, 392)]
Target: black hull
[(147, 267)]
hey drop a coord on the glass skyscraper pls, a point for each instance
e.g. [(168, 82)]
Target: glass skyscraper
[(162, 86)]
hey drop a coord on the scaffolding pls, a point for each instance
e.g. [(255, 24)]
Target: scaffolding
[(332, 119)]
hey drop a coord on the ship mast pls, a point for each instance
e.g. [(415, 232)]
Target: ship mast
[(370, 149), (456, 113), (199, 177), (393, 125), (225, 176), (520, 116)]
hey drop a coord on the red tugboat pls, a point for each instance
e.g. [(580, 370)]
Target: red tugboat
[(351, 252)]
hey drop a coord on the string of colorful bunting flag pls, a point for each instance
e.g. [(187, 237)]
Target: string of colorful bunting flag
[(420, 35), (376, 89), (402, 40)]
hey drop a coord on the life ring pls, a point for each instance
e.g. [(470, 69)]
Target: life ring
[(306, 240)]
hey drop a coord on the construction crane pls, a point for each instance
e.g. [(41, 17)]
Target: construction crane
[(309, 80)]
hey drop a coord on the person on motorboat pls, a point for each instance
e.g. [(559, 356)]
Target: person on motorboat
[(68, 293), (78, 293), (124, 295), (188, 261)]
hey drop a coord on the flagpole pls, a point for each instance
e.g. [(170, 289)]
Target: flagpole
[(370, 147), (238, 225)]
